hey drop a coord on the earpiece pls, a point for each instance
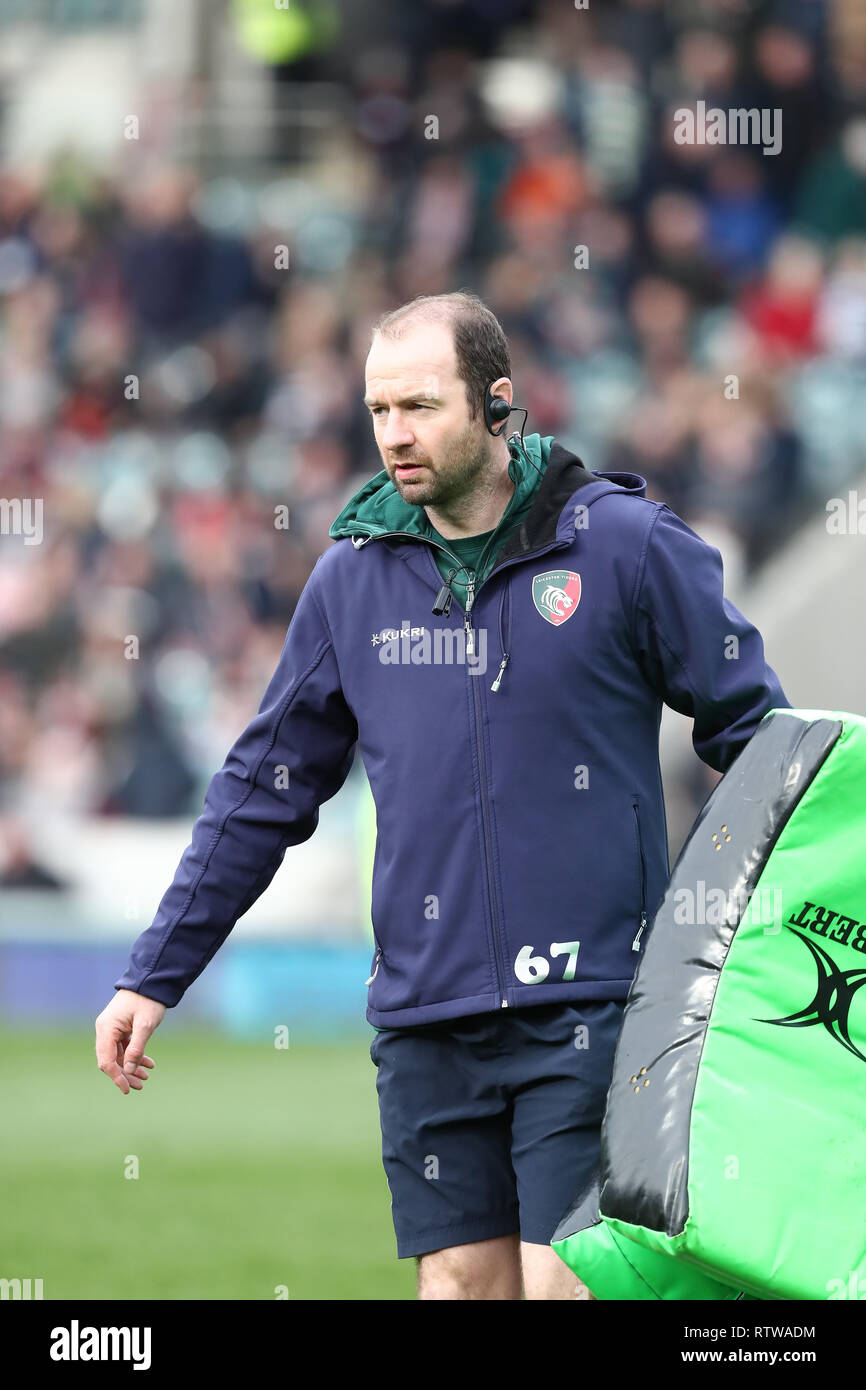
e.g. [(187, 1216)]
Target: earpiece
[(495, 410)]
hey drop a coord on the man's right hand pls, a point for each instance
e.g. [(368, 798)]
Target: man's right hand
[(122, 1031)]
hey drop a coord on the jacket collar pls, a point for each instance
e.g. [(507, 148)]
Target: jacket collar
[(377, 509)]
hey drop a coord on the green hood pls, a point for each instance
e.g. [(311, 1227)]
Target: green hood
[(379, 510)]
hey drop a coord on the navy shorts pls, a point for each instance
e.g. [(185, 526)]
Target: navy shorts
[(491, 1123)]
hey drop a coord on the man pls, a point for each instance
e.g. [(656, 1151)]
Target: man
[(497, 629)]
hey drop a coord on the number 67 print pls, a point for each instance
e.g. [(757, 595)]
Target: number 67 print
[(531, 970)]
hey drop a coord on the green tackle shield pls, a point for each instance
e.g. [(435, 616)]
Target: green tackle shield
[(613, 1266), (733, 1138)]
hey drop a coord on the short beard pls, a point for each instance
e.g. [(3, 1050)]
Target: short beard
[(458, 475)]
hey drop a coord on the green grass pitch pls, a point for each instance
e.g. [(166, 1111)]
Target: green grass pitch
[(258, 1168)]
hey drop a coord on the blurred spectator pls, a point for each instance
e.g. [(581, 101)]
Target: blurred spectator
[(783, 305)]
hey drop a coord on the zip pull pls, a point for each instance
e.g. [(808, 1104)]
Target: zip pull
[(635, 945), (496, 684), (376, 971), (443, 598), (470, 599)]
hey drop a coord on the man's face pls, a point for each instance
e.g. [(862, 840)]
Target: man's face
[(433, 451)]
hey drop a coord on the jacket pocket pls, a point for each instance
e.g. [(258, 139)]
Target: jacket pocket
[(635, 805)]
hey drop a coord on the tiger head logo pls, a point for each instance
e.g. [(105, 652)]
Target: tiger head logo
[(556, 595), (556, 601)]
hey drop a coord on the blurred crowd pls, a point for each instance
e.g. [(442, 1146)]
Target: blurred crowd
[(181, 356)]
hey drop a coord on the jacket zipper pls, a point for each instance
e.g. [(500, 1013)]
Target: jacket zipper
[(502, 665), (635, 945), (493, 895), (470, 599), (376, 963), (505, 600)]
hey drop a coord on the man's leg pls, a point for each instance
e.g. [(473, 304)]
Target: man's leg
[(446, 1136), (484, 1269), (491, 1269), (561, 1058), (546, 1276)]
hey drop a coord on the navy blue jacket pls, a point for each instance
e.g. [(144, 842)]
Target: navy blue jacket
[(522, 843)]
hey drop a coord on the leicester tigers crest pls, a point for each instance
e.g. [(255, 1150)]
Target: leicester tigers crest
[(556, 594)]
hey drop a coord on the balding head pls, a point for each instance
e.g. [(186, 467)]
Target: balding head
[(480, 346)]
